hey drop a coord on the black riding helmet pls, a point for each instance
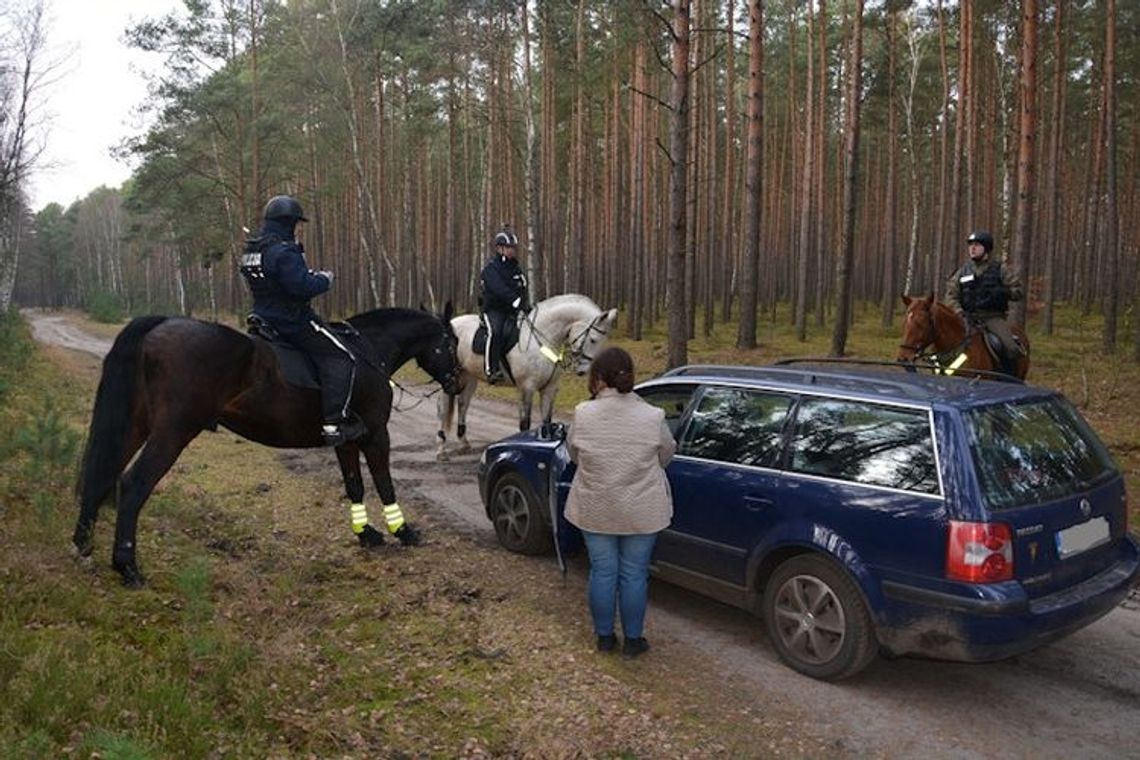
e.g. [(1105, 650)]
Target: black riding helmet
[(506, 238), (286, 208), (983, 237)]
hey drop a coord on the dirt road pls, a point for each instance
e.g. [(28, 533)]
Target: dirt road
[(1079, 697)]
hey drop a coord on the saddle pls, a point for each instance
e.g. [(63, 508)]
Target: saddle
[(1005, 359), (297, 367), (510, 336)]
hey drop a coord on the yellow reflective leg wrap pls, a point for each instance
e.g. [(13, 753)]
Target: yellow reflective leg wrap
[(550, 354), (359, 518), (393, 516)]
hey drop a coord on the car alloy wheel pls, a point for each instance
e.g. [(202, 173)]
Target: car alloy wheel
[(817, 619), (519, 520)]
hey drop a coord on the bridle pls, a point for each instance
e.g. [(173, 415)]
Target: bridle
[(929, 339), (945, 362), (451, 378), (579, 342)]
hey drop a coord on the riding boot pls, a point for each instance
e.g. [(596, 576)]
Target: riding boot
[(494, 368), (1009, 364), (341, 430)]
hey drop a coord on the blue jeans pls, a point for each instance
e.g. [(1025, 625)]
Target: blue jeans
[(619, 576)]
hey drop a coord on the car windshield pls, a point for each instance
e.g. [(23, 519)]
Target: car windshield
[(1033, 452)]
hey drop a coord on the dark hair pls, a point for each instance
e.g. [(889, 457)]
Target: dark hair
[(614, 367)]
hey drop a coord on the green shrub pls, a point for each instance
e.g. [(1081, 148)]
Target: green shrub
[(16, 348), (50, 447), (106, 307)]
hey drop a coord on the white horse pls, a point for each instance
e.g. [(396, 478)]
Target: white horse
[(563, 331)]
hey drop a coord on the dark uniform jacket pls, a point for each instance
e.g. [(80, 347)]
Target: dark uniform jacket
[(983, 289), (281, 282), (502, 281)]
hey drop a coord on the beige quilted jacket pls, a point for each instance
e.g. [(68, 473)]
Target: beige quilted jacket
[(621, 445)]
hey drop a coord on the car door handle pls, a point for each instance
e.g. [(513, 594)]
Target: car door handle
[(756, 503)]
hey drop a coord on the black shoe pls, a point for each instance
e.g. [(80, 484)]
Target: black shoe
[(634, 647), (607, 643), (496, 377), (343, 431)]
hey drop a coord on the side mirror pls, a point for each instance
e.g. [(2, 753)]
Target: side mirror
[(552, 431)]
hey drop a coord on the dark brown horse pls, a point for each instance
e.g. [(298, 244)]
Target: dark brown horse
[(934, 332), (166, 379)]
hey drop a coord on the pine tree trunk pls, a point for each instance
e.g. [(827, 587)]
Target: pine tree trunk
[(1111, 220), (1026, 165), (1052, 244), (679, 185), (803, 248), (846, 257), (754, 165), (888, 296)]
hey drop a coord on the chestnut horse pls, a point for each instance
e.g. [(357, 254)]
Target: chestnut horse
[(934, 332), (166, 379)]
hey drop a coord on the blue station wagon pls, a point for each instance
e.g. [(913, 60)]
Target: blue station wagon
[(859, 510)]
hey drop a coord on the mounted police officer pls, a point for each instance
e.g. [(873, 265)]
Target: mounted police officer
[(282, 285), (503, 290), (981, 291)]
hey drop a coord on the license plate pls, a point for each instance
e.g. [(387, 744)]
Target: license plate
[(1082, 537)]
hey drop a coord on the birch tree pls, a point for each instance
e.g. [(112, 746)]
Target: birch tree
[(24, 71)]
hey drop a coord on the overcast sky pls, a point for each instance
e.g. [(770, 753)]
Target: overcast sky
[(91, 105)]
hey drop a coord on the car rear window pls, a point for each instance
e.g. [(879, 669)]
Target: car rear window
[(865, 443), (1035, 451)]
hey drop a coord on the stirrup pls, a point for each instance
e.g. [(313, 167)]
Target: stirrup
[(344, 431)]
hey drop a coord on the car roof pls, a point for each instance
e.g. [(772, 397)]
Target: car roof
[(881, 381)]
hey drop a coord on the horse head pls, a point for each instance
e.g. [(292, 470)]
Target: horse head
[(439, 357), (588, 337), (918, 328)]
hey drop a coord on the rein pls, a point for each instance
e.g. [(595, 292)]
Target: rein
[(420, 397)]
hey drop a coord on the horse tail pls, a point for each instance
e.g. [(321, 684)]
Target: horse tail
[(111, 418)]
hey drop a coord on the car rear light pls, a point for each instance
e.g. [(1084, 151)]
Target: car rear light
[(979, 552)]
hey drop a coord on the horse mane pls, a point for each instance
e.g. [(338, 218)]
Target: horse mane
[(947, 311), (553, 304), (381, 317), (562, 298)]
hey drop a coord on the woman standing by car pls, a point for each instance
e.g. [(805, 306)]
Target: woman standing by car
[(620, 496)]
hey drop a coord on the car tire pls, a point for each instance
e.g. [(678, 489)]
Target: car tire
[(817, 619), (519, 516)]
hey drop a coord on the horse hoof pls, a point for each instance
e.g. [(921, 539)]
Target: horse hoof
[(370, 537), (408, 535), (442, 456), (464, 448), (134, 583), (132, 578)]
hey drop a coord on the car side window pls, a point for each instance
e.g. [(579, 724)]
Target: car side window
[(865, 443), (738, 426), (674, 399)]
